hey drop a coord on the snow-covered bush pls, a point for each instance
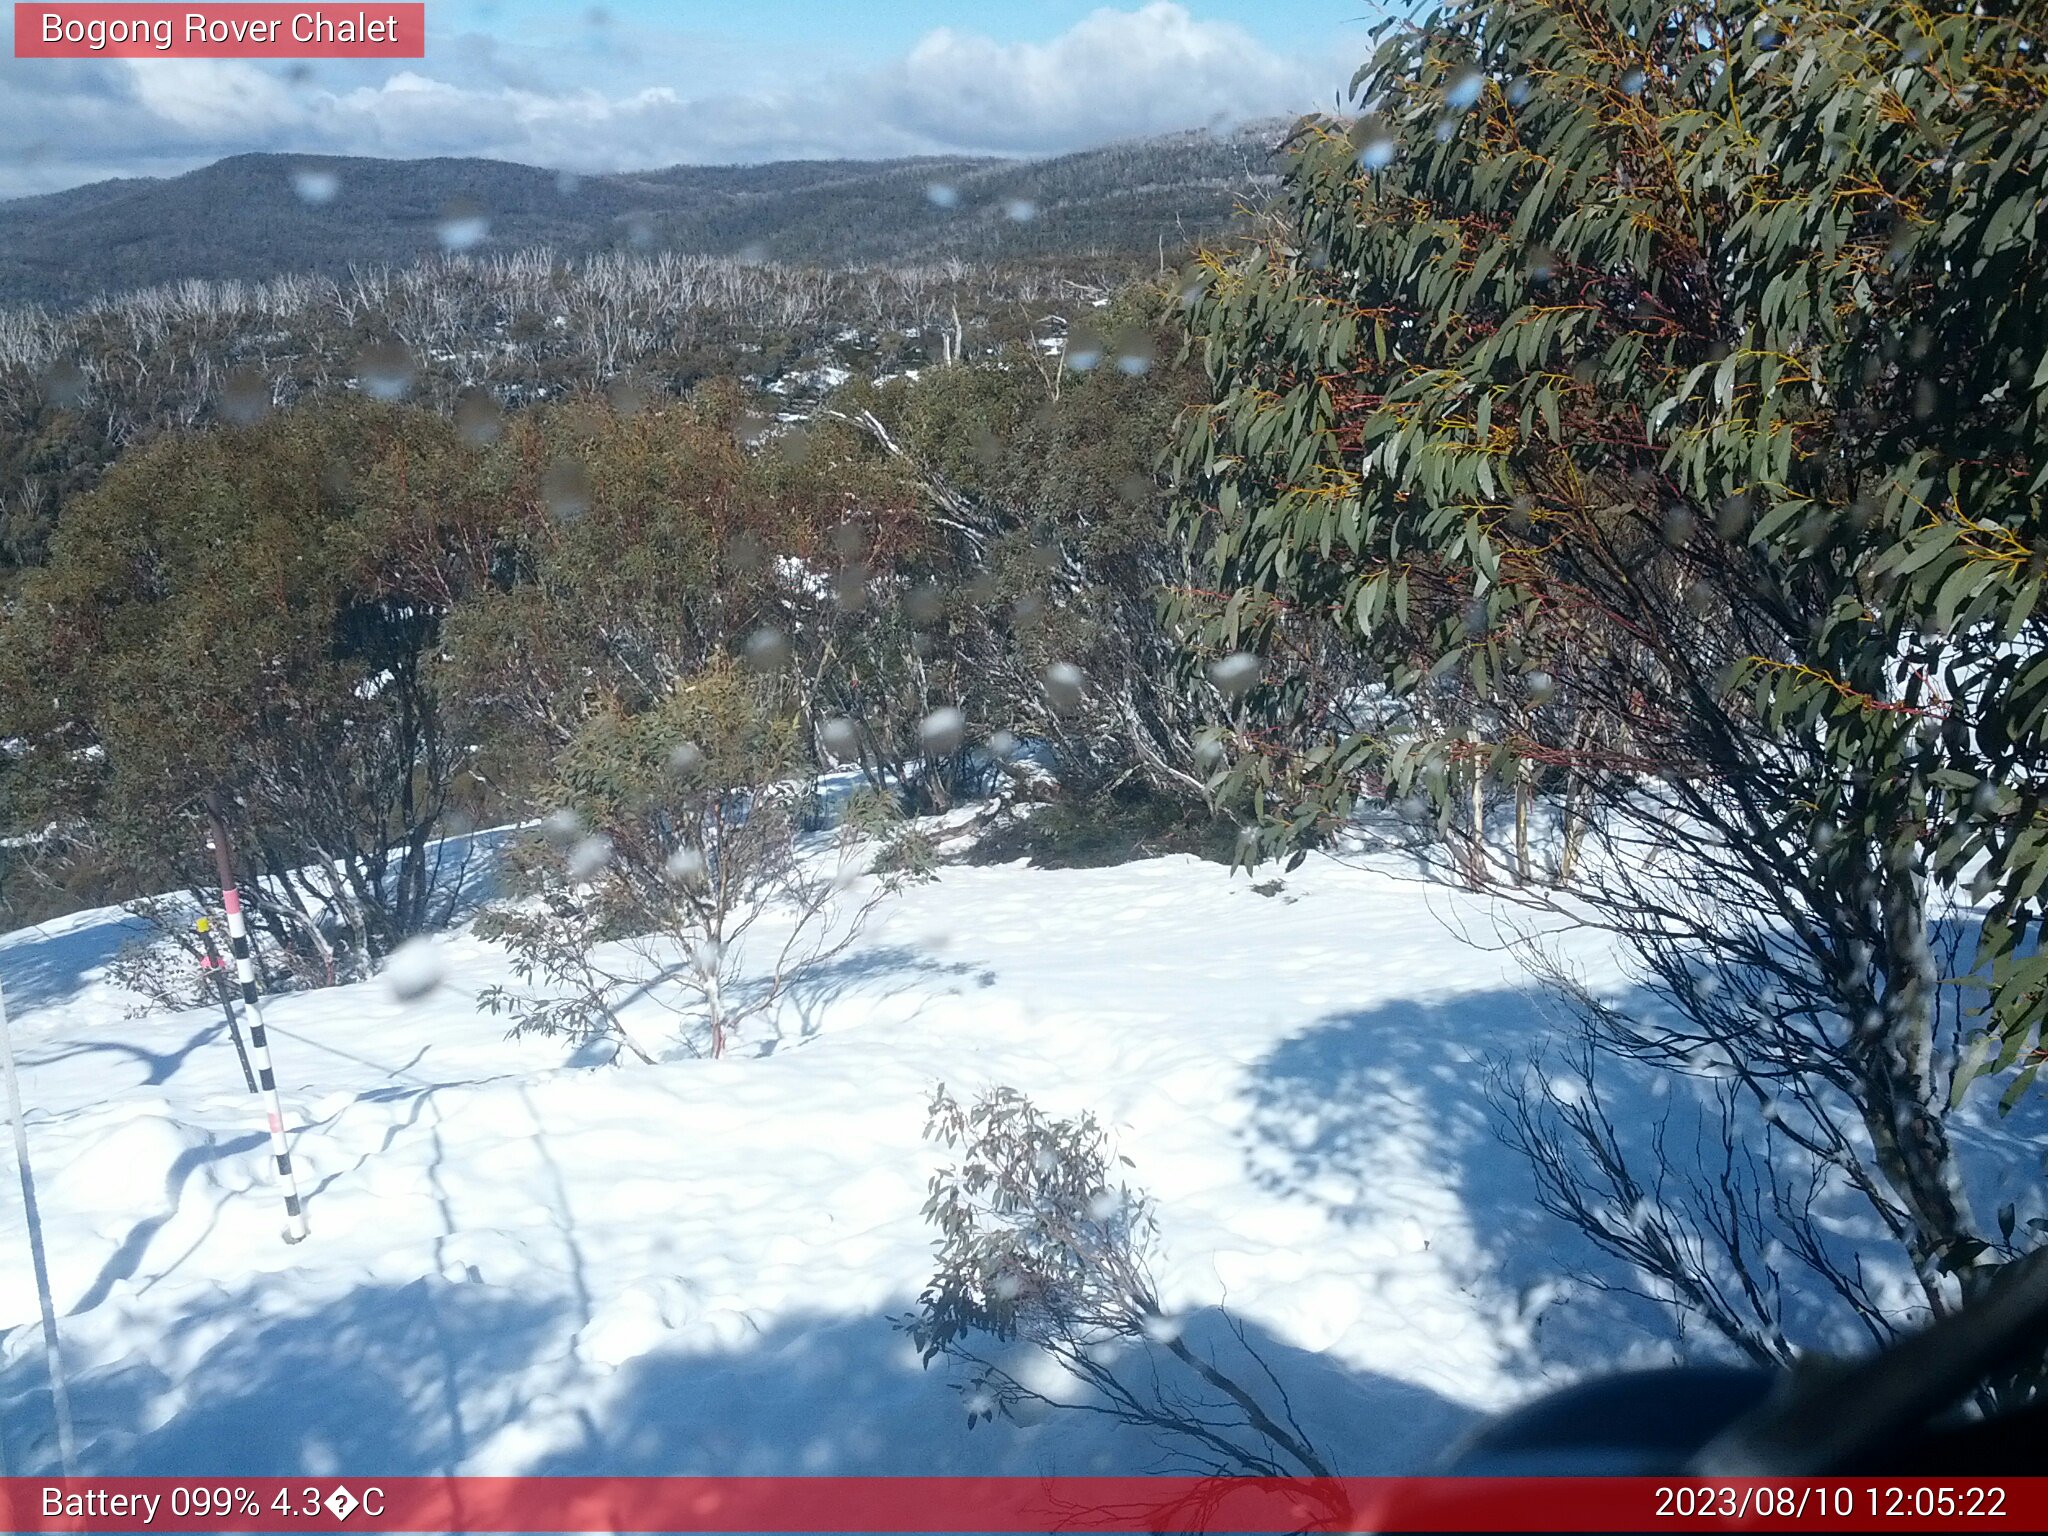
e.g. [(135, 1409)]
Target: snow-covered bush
[(1045, 1254)]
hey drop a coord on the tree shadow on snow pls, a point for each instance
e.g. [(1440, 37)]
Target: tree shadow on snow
[(871, 974), (443, 1375), (393, 1379), (52, 963), (809, 997), (848, 1397), (1369, 1114)]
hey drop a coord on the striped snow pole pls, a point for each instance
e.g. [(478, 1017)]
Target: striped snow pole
[(259, 1037), (217, 969), (266, 1078)]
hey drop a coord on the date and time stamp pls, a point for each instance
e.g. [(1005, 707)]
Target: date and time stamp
[(1830, 1500)]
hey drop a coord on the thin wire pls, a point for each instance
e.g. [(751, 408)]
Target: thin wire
[(60, 1399)]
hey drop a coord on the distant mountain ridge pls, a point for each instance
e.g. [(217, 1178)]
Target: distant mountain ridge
[(258, 215)]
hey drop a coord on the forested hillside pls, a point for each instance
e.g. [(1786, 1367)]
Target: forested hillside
[(261, 215)]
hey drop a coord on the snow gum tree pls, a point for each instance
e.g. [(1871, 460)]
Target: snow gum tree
[(245, 623), (1650, 399), (1043, 553)]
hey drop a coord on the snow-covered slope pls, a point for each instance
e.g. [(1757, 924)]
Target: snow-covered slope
[(522, 1261)]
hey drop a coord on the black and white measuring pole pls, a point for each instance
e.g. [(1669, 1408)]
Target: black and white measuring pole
[(217, 968), (259, 1037)]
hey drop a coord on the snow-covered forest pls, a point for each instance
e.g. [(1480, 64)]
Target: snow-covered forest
[(1233, 864)]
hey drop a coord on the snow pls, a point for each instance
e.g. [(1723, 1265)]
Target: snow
[(524, 1260), (821, 379)]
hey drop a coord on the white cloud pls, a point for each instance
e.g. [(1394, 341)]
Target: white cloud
[(210, 99), (1114, 74)]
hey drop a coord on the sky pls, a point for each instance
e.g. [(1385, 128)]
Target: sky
[(632, 84)]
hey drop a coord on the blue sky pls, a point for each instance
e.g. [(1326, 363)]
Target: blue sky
[(877, 30), (629, 84)]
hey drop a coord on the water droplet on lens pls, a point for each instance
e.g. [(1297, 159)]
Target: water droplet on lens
[(850, 588), (840, 737), (315, 186), (1463, 88), (943, 730), (768, 649), (63, 384), (1633, 81), (413, 970), (245, 397), (384, 369), (685, 758), (1021, 210), (1064, 685), (1161, 1329), (477, 417), (685, 866), (566, 488), (1235, 675), (463, 225), (1084, 349), (1376, 144), (1134, 353), (627, 395), (590, 857), (939, 195), (924, 603), (850, 541)]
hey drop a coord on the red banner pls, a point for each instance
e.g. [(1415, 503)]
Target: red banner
[(221, 31), (921, 1504)]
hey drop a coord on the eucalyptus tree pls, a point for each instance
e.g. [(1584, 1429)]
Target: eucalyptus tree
[(1649, 399)]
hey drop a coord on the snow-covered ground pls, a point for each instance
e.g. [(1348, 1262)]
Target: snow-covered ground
[(522, 1260)]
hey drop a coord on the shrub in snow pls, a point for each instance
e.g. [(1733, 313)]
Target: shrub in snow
[(690, 833), (1044, 1261), (162, 963)]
